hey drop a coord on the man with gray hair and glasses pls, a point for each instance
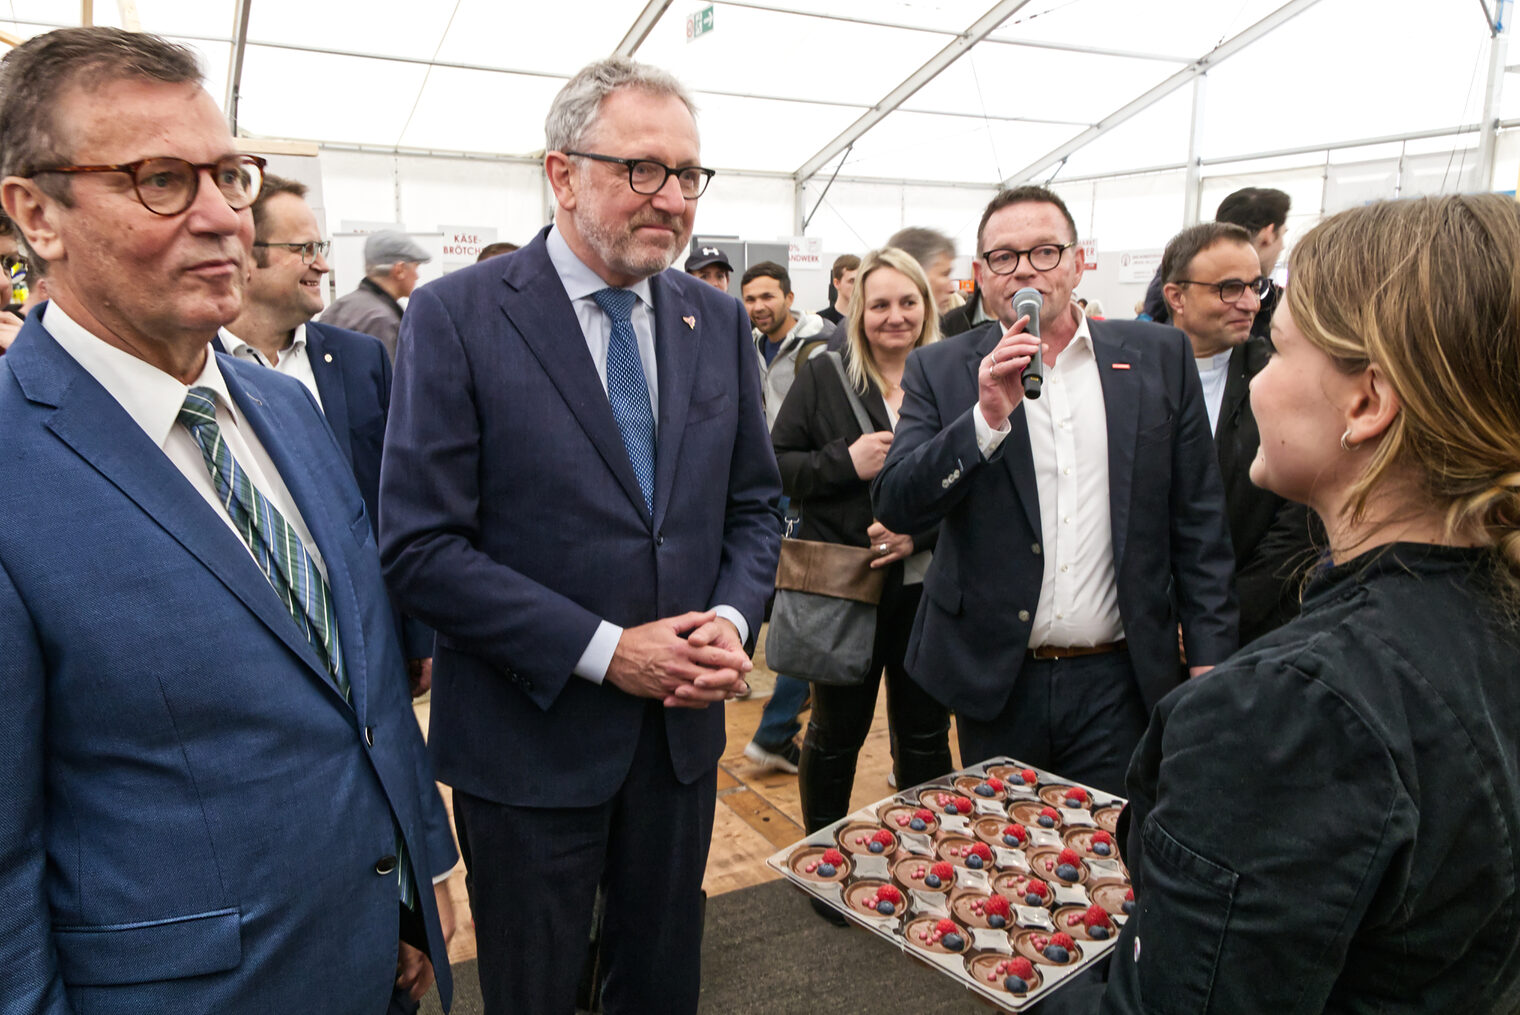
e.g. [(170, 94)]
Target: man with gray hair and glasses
[(579, 495), (217, 796)]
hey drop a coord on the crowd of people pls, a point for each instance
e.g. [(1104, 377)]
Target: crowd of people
[(1258, 570)]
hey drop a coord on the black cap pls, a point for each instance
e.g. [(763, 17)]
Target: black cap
[(706, 256)]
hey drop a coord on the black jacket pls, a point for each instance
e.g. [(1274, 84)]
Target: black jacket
[(1330, 821), (812, 437), (1271, 536)]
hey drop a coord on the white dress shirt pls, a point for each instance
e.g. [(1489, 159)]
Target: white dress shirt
[(581, 283), (1214, 372), (295, 361), (153, 399), (1068, 440)]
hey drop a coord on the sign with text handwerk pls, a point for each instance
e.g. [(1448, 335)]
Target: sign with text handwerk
[(699, 23), (461, 244), (804, 251), (1138, 267)]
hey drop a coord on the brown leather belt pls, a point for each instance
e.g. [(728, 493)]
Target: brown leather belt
[(1075, 651)]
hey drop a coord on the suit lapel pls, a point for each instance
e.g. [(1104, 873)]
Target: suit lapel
[(541, 313), (328, 370), (98, 429), (314, 500), (1018, 454), (676, 352), (1121, 405)]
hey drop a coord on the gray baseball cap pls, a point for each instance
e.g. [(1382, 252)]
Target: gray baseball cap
[(391, 247)]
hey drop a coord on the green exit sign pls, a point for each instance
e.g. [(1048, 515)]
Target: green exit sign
[(699, 24)]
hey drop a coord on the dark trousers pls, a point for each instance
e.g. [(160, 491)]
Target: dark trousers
[(841, 718), (533, 872), (1078, 718)]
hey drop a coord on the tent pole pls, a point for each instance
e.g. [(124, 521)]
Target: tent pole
[(1192, 189), (235, 65), (1498, 46)]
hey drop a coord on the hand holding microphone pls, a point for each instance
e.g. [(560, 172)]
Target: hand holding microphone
[(1013, 369)]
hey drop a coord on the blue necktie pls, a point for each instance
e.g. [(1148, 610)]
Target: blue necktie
[(627, 389), (282, 557)]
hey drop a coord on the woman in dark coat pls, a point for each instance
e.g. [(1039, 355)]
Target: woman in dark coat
[(1330, 820), (827, 464)]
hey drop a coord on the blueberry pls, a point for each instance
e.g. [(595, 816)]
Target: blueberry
[(974, 862), (826, 870), (917, 824), (1073, 803), (985, 790), (1101, 848), (1066, 872), (953, 942), (1032, 899), (885, 908), (996, 921), (1009, 840), (950, 809), (1047, 822), (1098, 933), (1056, 953), (876, 847), (1129, 907), (932, 881), (1016, 985)]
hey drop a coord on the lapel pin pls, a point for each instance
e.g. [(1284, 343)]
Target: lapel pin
[(327, 357), (691, 323), (1121, 366)]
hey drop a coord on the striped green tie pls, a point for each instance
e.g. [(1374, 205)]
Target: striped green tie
[(282, 557)]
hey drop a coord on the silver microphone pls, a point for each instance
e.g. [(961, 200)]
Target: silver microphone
[(1027, 303)]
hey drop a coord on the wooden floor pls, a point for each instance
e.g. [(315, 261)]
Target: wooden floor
[(757, 813)]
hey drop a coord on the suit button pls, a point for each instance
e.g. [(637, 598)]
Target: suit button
[(1024, 616), (385, 865), (369, 736), (1036, 549), (659, 539)]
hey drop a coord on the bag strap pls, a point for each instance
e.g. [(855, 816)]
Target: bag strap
[(861, 416)]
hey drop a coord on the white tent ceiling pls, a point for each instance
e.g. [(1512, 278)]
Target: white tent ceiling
[(779, 80)]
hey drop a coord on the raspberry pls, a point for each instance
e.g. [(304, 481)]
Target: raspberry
[(996, 783), (1061, 939), (1069, 855), (1102, 836), (1029, 777), (1035, 887), (1050, 812), (884, 837), (996, 905), (1021, 967), (982, 850), (889, 893), (924, 814), (1076, 793), (962, 805), (1096, 916), (1016, 832), (945, 927), (942, 870), (833, 856), (1129, 896)]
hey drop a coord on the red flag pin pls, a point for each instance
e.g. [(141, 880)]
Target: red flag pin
[(1121, 366)]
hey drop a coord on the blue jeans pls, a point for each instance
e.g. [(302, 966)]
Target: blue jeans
[(778, 721)]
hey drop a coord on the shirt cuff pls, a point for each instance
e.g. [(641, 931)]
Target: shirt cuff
[(440, 879), (598, 655), (736, 618), (988, 439)]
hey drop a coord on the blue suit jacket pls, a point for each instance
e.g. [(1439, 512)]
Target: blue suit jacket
[(1172, 555), (511, 521), (193, 814)]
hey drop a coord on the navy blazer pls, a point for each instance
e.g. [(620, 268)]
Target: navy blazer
[(511, 521), (1172, 556), (193, 814)]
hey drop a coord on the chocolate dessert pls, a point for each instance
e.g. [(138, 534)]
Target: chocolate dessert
[(909, 818), (1071, 797), (1023, 889), (1035, 814), (936, 934), (1085, 923), (1062, 867), (859, 837), (1116, 897), (817, 863), (979, 909), (924, 874), (976, 788), (944, 801), (964, 852), (1092, 842), (1016, 975), (874, 898), (1058, 949)]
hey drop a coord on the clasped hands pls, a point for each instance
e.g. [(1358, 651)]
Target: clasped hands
[(688, 661)]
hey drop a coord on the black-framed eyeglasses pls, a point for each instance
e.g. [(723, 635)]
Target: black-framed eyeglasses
[(1041, 258), (309, 250), (648, 177), (167, 186), (1232, 289)]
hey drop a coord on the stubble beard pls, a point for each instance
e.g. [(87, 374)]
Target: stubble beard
[(621, 250)]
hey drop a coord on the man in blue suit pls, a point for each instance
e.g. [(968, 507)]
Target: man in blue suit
[(347, 372), (579, 496), (1076, 530), (218, 797)]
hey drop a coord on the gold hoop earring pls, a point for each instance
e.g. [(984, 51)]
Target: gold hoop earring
[(1345, 445)]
